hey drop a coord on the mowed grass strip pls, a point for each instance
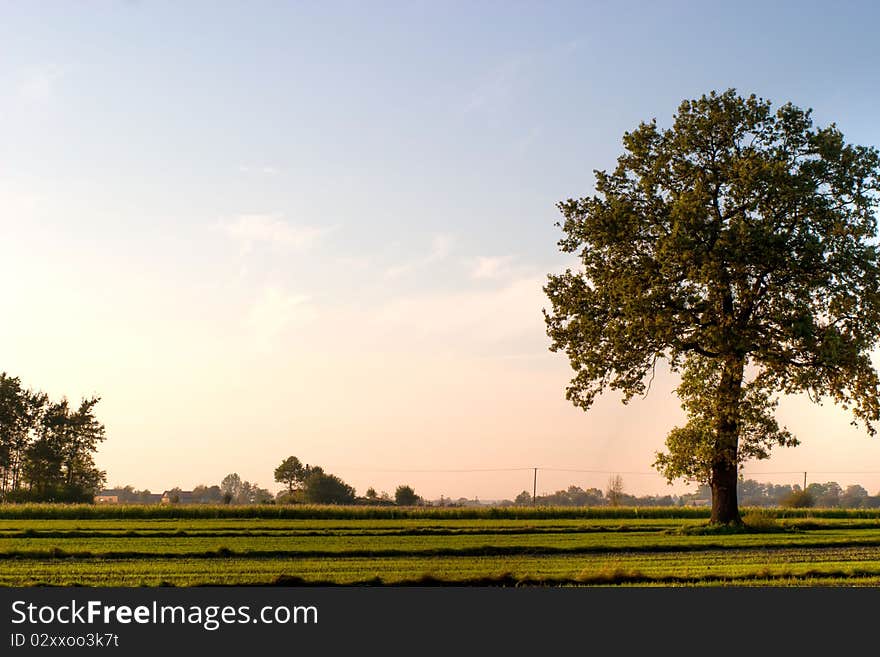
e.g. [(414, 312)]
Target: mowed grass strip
[(337, 512), (46, 527), (350, 526), (625, 551), (393, 545), (306, 512), (847, 566)]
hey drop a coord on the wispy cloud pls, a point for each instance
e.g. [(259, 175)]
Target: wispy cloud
[(353, 263), (264, 169), (37, 85), (441, 246), (472, 316), (252, 229), (491, 267), (497, 88), (510, 77), (397, 271)]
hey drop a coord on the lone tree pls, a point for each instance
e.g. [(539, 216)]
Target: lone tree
[(406, 496), (291, 472), (739, 247), (614, 492), (230, 487), (322, 488)]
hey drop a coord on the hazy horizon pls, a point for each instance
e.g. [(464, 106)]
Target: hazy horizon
[(296, 229)]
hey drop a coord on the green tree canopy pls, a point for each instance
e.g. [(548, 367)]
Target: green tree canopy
[(406, 496), (291, 472), (322, 488), (47, 448), (738, 246), (230, 487)]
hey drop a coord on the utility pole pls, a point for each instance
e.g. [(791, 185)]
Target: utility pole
[(805, 482), (535, 488)]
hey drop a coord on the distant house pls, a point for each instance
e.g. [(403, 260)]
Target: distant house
[(179, 497), (126, 496)]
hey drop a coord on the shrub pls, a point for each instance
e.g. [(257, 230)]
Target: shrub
[(799, 499), (761, 520)]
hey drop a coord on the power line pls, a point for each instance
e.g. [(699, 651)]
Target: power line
[(819, 472), (620, 472), (440, 470), (593, 471)]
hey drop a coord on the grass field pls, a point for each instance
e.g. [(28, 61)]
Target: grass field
[(188, 546)]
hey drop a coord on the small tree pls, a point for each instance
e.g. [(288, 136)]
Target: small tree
[(406, 496), (207, 494), (798, 499), (174, 495), (614, 492), (230, 488), (322, 488), (290, 472), (854, 497)]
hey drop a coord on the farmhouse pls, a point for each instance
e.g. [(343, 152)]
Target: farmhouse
[(126, 496)]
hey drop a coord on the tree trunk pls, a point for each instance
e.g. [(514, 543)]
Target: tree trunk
[(725, 509)]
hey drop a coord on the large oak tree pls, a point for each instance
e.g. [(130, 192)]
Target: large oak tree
[(740, 247)]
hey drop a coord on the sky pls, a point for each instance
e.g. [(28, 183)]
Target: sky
[(321, 229)]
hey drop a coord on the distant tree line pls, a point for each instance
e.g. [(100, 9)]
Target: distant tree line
[(576, 496), (320, 488), (829, 494), (305, 484), (310, 484), (47, 447), (233, 490), (749, 492)]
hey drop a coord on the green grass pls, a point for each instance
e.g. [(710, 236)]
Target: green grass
[(846, 567), (134, 511), (341, 525), (317, 512), (433, 544), (336, 545)]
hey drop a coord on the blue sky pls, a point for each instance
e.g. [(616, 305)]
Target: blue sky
[(321, 228)]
